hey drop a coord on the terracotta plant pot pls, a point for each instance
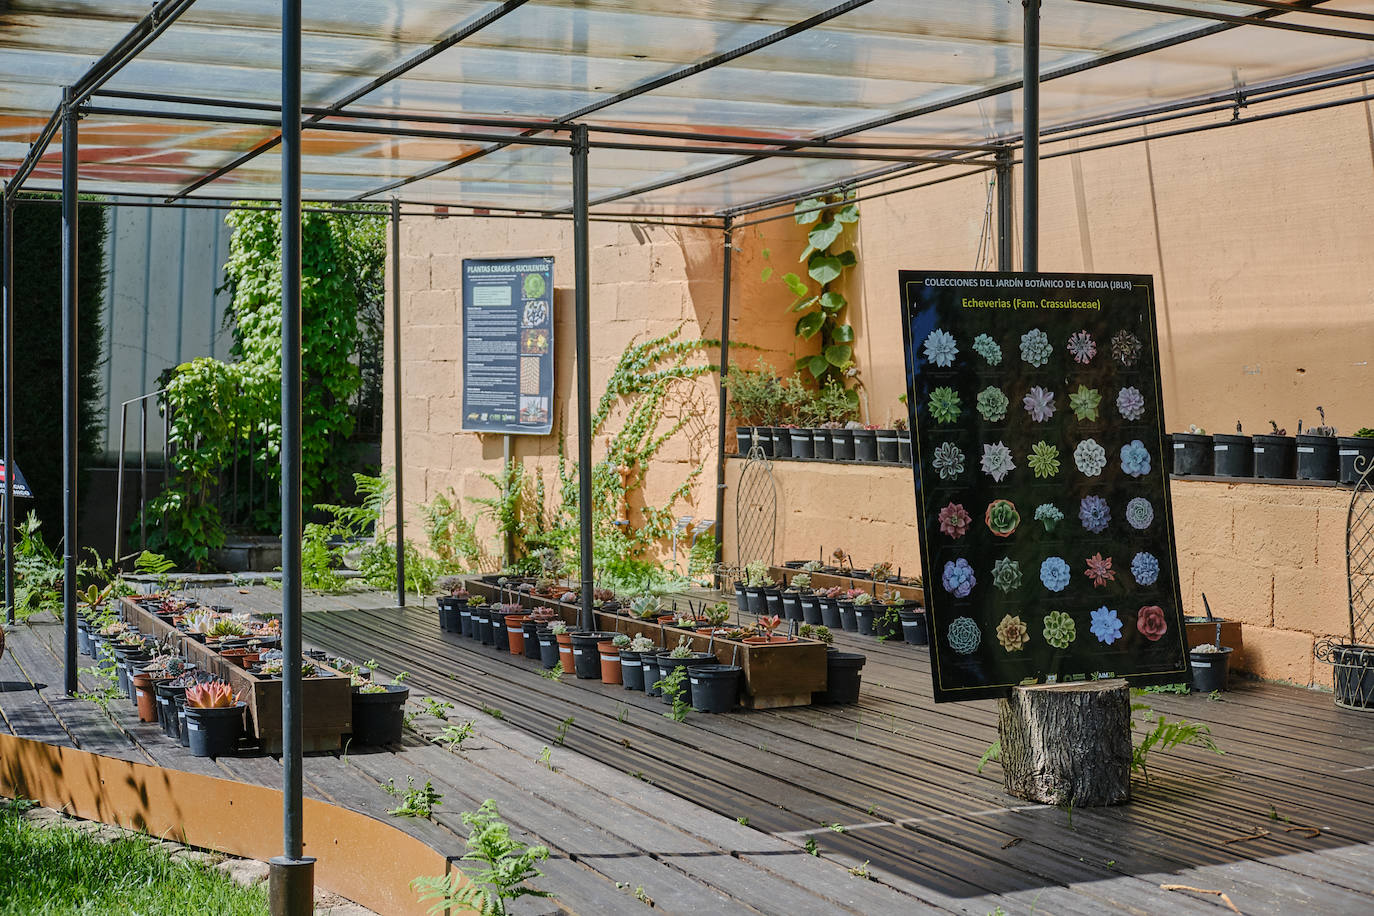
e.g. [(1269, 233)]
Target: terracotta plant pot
[(242, 657), (515, 633), (565, 652), (144, 696), (610, 662)]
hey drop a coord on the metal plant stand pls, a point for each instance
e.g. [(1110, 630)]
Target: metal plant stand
[(756, 510), (1353, 661)]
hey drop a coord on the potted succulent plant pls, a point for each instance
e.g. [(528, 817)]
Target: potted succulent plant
[(1356, 454), (828, 601), (681, 656), (467, 616), (1276, 454), (1192, 453), (713, 687), (767, 624), (1233, 455), (1318, 451), (214, 719), (865, 441), (864, 610), (791, 596), (549, 651), (632, 668), (610, 657), (378, 711)]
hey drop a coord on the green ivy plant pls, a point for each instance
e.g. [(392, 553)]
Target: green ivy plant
[(819, 305)]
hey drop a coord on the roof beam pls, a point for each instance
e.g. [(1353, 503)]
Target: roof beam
[(1268, 23), (395, 72), (649, 86)]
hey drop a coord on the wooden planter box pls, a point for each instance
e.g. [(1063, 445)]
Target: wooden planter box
[(327, 702), (783, 674)]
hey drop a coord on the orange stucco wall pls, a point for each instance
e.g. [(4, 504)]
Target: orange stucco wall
[(1258, 238)]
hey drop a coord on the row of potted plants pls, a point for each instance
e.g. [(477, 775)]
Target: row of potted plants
[(887, 615), (1319, 453)]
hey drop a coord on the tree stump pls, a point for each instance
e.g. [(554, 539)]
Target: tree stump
[(1067, 744)]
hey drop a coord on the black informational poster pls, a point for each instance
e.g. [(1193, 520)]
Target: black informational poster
[(508, 345), (1046, 532), (21, 486)]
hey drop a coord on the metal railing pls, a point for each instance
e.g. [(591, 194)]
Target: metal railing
[(142, 402)]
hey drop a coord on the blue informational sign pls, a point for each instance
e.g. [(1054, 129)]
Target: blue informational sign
[(21, 486), (1042, 486), (508, 345)]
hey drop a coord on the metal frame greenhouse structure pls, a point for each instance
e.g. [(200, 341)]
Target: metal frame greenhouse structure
[(706, 115)]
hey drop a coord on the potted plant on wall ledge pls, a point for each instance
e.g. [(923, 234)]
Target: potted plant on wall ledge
[(1276, 454), (1233, 455), (1192, 453), (1318, 451), (1356, 454)]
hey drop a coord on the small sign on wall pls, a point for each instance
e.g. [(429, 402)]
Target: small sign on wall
[(508, 345), (1046, 530)]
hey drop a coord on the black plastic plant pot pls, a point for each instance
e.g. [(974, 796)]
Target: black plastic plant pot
[(83, 639), (631, 670), (821, 445), (782, 441), (181, 724), (449, 609), (499, 635), (1233, 455), (377, 717), (830, 612), (531, 630), (652, 672), (887, 625), (1209, 670), (772, 601), (465, 620), (214, 732), (744, 436), (763, 438), (1192, 455), (666, 664), (802, 443), (1319, 458), (849, 620), (811, 609), (842, 444), (586, 657), (914, 628), (754, 601), (791, 605), (904, 446), (485, 630), (1276, 457), (1356, 456), (863, 616), (548, 648), (1354, 669), (714, 687), (843, 672), (887, 445), (866, 444), (169, 698)]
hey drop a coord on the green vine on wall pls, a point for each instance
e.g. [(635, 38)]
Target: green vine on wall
[(820, 306)]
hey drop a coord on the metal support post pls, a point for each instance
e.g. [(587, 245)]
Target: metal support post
[(508, 543), (292, 874), (723, 396), (1030, 128), (69, 387), (582, 310), (396, 401), (1005, 207), (7, 279)]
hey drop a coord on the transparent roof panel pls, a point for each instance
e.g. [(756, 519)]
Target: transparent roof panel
[(894, 70)]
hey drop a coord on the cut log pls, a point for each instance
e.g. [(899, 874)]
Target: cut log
[(1067, 744)]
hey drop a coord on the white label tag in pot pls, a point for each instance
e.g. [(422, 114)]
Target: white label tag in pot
[(1259, 450), (1202, 664), (138, 693), (193, 726), (577, 651), (1179, 444), (1305, 449), (625, 662), (1349, 452), (694, 681), (1221, 448)]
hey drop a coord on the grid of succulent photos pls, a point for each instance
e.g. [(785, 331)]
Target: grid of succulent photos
[(1046, 533)]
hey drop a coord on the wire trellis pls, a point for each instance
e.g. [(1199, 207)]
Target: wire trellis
[(1353, 661), (756, 510)]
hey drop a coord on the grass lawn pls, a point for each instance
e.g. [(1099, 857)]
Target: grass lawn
[(47, 871)]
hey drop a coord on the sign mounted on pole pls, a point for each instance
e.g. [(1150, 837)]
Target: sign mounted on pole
[(508, 345), (21, 486), (1046, 530)]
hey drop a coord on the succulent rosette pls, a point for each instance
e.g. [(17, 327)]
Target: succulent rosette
[(997, 462), (1082, 347), (1039, 403), (944, 404), (1126, 348), (992, 404), (1106, 625), (1006, 574), (1043, 459), (989, 349), (1035, 347), (963, 635), (948, 461), (1100, 570), (1055, 574), (1089, 457), (1145, 568), (1059, 629), (1151, 623), (1139, 513), (1001, 517), (1094, 513), (1130, 403), (1084, 401), (1048, 515), (954, 520), (1135, 458), (940, 348), (1012, 633), (958, 578)]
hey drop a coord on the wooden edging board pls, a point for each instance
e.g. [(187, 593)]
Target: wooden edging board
[(327, 701), (365, 860)]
